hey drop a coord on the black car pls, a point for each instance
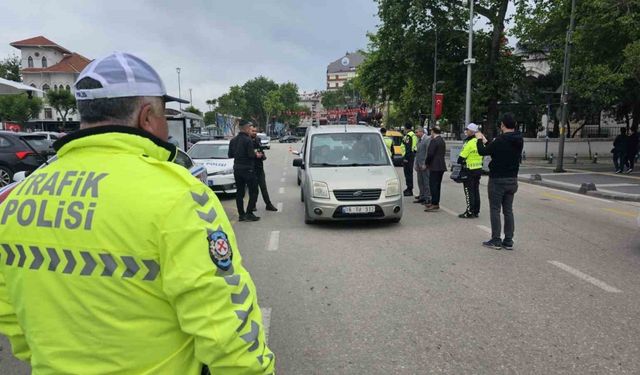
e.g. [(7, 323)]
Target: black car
[(289, 139), (16, 155)]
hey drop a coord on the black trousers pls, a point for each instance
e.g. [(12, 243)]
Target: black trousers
[(246, 179), (501, 194), (408, 171), (472, 191), (435, 182), (631, 158), (619, 160), (262, 183)]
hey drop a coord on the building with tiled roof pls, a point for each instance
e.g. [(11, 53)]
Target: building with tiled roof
[(343, 69), (48, 66)]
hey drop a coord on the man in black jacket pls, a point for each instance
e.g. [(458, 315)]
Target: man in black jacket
[(620, 150), (505, 153), (633, 143), (262, 181), (436, 166), (244, 156)]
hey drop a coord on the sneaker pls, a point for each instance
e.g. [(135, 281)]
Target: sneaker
[(493, 244), (242, 218), (619, 171), (417, 197), (467, 215), (408, 193), (251, 217), (507, 245), (628, 171), (432, 208), (271, 207)]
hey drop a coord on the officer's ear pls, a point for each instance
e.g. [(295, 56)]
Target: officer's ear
[(151, 118)]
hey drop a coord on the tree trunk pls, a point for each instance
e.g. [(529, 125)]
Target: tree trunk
[(494, 54)]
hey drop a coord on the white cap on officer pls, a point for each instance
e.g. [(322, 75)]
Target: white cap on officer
[(123, 75), (473, 127)]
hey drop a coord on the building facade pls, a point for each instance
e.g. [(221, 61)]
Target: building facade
[(312, 101), (48, 66), (343, 69)]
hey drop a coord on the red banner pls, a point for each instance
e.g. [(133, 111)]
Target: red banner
[(439, 103)]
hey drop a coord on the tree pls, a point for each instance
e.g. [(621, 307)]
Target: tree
[(209, 118), (232, 103), (273, 105), (211, 103), (605, 52), (19, 108), (63, 102), (10, 68), (255, 91), (194, 110)]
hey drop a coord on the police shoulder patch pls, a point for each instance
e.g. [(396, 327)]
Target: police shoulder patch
[(220, 250)]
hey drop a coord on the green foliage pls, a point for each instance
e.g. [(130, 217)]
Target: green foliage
[(346, 96), (209, 118), (19, 108), (10, 68), (259, 100), (63, 102), (194, 110)]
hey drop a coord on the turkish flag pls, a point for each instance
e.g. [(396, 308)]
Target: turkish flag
[(439, 103)]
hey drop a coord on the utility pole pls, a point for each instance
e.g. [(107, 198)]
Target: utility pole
[(179, 90), (469, 61), (190, 98), (435, 83), (565, 88)]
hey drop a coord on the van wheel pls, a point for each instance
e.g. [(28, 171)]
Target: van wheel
[(5, 176), (395, 220)]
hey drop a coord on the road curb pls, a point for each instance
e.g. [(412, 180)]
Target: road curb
[(606, 194)]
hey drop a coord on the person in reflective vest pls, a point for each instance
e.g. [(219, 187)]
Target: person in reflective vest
[(410, 143), (116, 260), (388, 142), (472, 166)]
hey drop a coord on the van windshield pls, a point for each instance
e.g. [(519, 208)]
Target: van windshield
[(347, 150)]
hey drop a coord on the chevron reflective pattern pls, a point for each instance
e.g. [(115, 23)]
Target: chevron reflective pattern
[(81, 263)]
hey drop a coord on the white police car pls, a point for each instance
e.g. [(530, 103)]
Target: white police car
[(213, 155)]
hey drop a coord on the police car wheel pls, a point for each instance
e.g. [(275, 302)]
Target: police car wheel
[(5, 176)]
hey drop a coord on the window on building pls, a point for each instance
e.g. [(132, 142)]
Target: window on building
[(44, 62), (55, 87), (337, 77), (30, 62), (45, 87), (48, 113), (68, 88)]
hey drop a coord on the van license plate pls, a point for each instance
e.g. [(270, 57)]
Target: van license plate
[(359, 210)]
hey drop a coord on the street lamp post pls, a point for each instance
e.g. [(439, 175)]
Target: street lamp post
[(469, 61), (565, 88), (435, 83), (179, 89), (190, 97)]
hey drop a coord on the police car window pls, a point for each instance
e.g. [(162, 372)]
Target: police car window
[(4, 142), (209, 151), (183, 160)]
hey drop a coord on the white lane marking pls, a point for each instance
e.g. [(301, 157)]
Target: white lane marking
[(281, 191), (266, 321), (279, 206), (450, 212), (274, 241), (284, 174), (600, 284), (283, 179), (484, 228)]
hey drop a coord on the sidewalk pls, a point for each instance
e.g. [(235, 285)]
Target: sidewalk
[(583, 177)]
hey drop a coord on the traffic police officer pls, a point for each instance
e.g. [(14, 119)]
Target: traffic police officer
[(115, 259), (472, 162), (388, 142), (410, 142)]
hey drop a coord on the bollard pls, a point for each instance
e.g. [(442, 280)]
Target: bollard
[(551, 159), (595, 159), (575, 158)]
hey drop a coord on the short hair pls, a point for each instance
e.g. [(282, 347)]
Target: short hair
[(623, 130), (122, 110), (508, 121), (408, 125), (436, 130), (383, 130), (244, 123)]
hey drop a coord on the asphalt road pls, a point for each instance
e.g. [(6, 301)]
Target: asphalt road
[(423, 296)]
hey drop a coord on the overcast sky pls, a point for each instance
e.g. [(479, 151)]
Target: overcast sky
[(217, 43)]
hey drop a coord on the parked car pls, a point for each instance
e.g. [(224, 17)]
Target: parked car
[(182, 159), (213, 156), (289, 139), (396, 154), (265, 140), (347, 174), (16, 155)]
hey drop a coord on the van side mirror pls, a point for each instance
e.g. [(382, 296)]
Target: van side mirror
[(298, 163)]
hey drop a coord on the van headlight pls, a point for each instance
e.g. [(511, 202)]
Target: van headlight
[(320, 190), (393, 187)]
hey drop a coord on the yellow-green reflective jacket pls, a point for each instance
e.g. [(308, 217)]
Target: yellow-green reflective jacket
[(470, 154), (116, 260)]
